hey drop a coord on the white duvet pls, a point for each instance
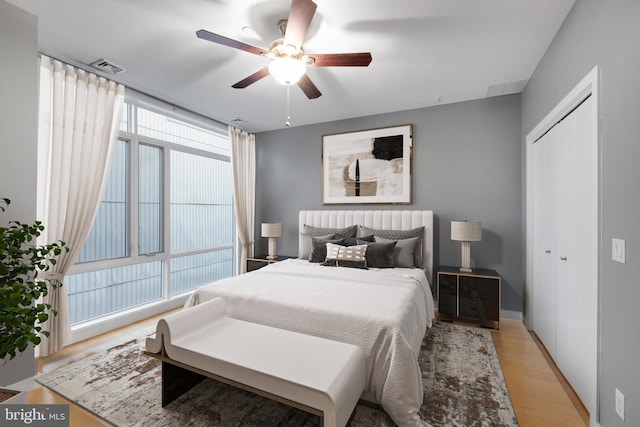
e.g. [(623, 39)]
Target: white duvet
[(383, 311)]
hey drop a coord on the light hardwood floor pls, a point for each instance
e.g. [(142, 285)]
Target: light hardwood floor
[(540, 395)]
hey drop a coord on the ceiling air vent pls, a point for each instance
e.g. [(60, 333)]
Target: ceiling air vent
[(506, 88), (107, 66)]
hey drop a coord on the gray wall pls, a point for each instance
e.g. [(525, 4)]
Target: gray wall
[(466, 165), (606, 33), (18, 137)]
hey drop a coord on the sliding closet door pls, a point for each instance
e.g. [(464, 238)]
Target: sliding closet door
[(565, 259), (577, 259), (545, 251)]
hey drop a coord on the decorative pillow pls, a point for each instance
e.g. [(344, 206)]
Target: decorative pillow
[(404, 251), (380, 255), (346, 256), (317, 231), (400, 235), (319, 248), (352, 241), (304, 251)]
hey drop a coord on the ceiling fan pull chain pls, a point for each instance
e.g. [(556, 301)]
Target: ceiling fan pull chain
[(288, 122)]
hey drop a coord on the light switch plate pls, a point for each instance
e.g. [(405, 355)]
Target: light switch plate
[(617, 250)]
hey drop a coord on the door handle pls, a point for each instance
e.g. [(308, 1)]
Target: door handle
[(547, 251), (563, 258)]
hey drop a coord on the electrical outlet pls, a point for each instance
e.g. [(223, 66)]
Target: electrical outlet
[(618, 250), (620, 404)]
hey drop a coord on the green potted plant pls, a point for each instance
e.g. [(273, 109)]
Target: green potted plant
[(22, 285)]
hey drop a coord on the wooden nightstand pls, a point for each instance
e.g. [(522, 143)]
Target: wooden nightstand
[(257, 262), (473, 297)]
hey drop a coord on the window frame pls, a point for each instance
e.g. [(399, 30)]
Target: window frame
[(88, 328)]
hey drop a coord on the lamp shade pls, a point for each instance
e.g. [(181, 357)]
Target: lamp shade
[(271, 229), (466, 231)]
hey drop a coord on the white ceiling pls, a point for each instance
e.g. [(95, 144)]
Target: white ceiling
[(425, 52)]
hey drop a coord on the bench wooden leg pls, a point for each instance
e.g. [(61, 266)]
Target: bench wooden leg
[(176, 381)]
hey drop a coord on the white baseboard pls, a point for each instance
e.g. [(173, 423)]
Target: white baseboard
[(108, 323), (19, 399), (24, 385)]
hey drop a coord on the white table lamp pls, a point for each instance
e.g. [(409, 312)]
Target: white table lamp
[(466, 232), (272, 230)]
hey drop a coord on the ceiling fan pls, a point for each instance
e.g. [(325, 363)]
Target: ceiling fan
[(288, 60)]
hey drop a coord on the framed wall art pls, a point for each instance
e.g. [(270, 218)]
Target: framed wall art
[(369, 166)]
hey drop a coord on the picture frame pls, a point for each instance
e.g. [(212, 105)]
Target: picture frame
[(368, 166)]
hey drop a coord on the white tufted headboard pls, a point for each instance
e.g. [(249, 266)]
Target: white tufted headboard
[(380, 219)]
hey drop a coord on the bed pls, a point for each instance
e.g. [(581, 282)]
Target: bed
[(385, 311)]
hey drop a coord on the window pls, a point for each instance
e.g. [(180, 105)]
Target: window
[(201, 212), (108, 236), (149, 199), (165, 224)]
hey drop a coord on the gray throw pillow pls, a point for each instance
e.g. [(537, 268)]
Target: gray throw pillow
[(403, 253), (380, 255), (317, 231), (400, 235), (304, 251), (352, 241), (319, 248)]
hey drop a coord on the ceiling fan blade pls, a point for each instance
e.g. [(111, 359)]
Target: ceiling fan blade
[(361, 59), (216, 38), (252, 78), (308, 87), (300, 17)]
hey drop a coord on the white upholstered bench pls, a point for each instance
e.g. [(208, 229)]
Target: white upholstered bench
[(314, 374)]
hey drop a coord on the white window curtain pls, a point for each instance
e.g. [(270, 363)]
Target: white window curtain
[(79, 119), (243, 163)]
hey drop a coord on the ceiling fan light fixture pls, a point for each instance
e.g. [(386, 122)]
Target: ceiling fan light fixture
[(287, 70), (288, 60)]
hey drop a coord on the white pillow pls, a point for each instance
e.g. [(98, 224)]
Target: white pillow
[(346, 256)]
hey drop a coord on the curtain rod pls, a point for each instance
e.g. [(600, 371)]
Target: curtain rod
[(97, 72)]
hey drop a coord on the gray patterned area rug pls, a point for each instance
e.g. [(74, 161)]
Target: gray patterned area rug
[(463, 386)]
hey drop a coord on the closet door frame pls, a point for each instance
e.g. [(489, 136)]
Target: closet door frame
[(588, 86)]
